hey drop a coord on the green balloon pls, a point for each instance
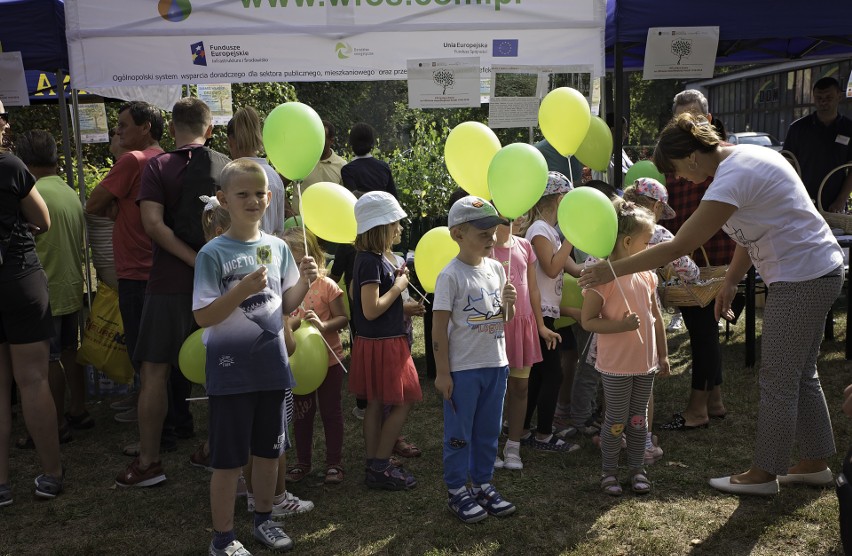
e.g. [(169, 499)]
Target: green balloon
[(643, 169), (517, 177), (587, 218), (294, 138), (596, 149), (309, 363), (572, 296), (192, 358), (293, 222)]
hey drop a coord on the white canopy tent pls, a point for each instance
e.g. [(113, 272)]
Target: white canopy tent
[(127, 42)]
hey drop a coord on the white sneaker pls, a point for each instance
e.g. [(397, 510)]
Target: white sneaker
[(291, 505), (675, 324), (358, 412), (512, 459), (498, 463), (129, 416)]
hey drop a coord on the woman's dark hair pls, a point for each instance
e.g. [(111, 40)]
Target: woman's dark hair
[(685, 134), (603, 187), (362, 138)]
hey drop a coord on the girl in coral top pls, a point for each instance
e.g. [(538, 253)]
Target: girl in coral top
[(627, 361)]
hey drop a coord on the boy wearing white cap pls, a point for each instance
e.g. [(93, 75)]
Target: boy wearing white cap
[(472, 302)]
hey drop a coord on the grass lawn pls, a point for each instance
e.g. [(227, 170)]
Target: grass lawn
[(560, 507)]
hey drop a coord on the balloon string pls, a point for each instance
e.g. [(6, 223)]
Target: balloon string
[(345, 370), (617, 283), (509, 270), (410, 285), (298, 185), (570, 170)]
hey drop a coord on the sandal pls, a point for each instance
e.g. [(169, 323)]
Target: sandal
[(639, 482), (406, 449), (610, 485), (678, 423), (334, 475), (298, 472)]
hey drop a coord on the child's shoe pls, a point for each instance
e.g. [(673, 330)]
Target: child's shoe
[(272, 535), (499, 463), (512, 459), (391, 478), (235, 548), (291, 505), (553, 444), (493, 503), (465, 507), (653, 455)]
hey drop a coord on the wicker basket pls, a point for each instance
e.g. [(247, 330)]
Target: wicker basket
[(834, 219), (791, 158), (699, 294)]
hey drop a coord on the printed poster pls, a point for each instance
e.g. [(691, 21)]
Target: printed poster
[(218, 97), (444, 83), (94, 126), (680, 52)]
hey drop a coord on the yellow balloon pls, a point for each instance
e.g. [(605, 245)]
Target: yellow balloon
[(192, 358), (309, 362), (328, 210), (564, 118), (434, 250), (596, 149), (468, 152)]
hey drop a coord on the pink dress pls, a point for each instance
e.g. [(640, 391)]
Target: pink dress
[(522, 344)]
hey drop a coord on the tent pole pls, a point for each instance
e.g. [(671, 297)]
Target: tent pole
[(618, 113), (81, 179), (66, 138)]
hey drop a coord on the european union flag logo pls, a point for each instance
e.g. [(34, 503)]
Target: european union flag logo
[(199, 57), (505, 48)]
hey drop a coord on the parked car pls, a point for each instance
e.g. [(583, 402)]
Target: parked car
[(755, 138)]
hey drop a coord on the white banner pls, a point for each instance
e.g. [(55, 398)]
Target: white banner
[(13, 80), (215, 41)]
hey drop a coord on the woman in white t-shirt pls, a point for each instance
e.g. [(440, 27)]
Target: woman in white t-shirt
[(759, 200)]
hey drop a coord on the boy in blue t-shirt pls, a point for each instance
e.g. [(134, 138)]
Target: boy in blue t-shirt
[(472, 301), (245, 280)]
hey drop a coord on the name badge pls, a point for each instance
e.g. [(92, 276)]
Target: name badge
[(842, 139)]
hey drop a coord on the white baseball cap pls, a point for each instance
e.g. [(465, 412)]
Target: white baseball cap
[(377, 208)]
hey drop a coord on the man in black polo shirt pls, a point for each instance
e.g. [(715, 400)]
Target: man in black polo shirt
[(821, 142)]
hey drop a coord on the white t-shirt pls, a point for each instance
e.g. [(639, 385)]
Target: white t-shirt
[(472, 295), (550, 288), (786, 238)]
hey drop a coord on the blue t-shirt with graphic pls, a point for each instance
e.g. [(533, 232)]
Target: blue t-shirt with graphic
[(246, 351), (473, 295)]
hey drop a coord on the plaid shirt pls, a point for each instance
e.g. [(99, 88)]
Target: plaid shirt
[(684, 197)]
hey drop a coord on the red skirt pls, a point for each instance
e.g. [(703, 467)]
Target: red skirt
[(383, 370)]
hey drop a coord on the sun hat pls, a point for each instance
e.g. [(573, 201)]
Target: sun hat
[(377, 208), (649, 187), (475, 211), (557, 183)]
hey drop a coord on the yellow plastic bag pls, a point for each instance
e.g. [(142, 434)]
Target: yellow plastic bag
[(103, 343)]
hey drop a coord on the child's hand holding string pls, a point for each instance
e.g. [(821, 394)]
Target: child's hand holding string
[(308, 269), (630, 321), (312, 318), (254, 283)]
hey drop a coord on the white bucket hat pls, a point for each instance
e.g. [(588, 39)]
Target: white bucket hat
[(377, 208)]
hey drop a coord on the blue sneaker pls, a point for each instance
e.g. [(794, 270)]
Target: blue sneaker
[(491, 501), (464, 507)]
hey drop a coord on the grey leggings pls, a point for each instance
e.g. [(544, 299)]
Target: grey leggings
[(626, 401), (792, 405)]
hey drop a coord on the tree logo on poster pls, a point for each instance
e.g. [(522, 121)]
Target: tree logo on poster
[(681, 48), (444, 78), (174, 10)]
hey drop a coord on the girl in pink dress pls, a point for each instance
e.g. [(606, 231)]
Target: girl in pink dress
[(522, 336)]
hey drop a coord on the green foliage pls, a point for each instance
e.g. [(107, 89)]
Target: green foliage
[(421, 177)]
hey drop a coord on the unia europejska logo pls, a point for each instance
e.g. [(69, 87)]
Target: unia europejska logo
[(174, 10), (343, 50)]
